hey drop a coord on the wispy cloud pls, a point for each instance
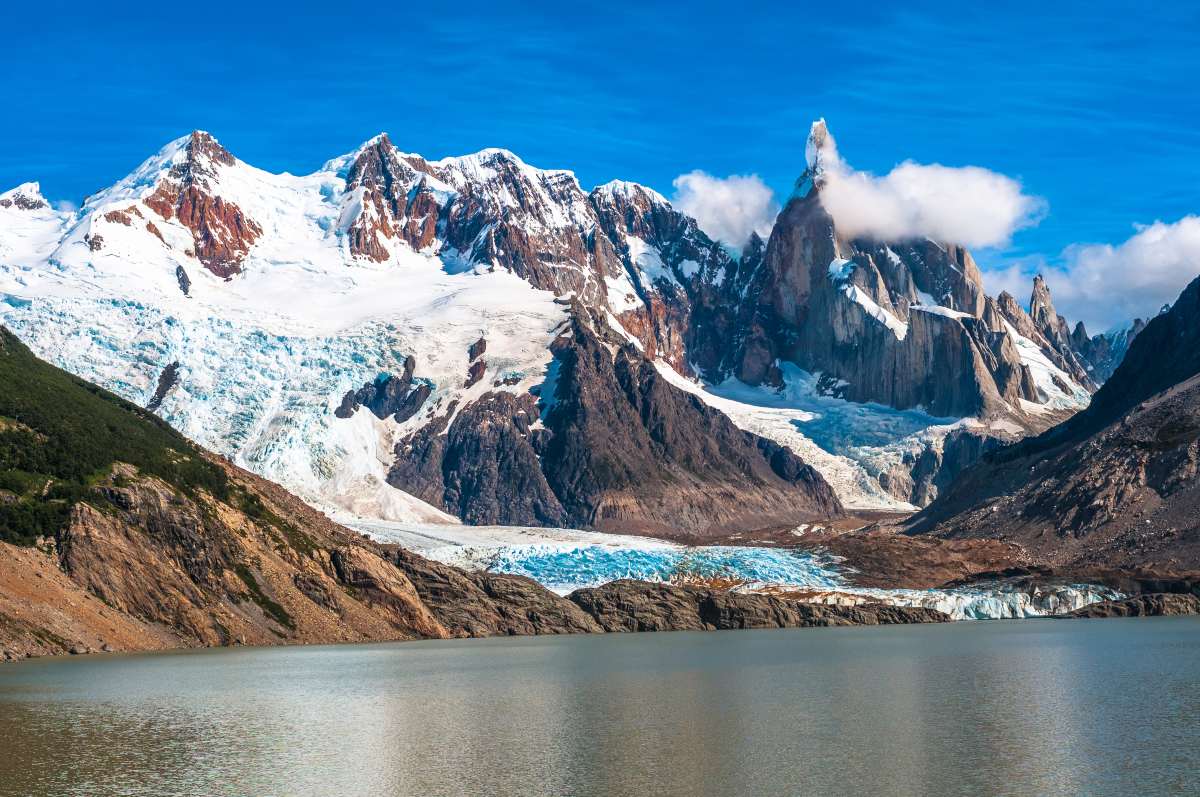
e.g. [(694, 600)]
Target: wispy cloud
[(728, 209), (1107, 286)]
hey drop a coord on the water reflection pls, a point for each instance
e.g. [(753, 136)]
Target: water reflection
[(995, 708)]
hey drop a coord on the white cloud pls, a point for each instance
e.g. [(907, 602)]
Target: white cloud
[(1108, 286), (727, 209), (967, 205), (65, 206)]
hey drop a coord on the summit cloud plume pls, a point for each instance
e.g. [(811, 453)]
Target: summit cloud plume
[(966, 205)]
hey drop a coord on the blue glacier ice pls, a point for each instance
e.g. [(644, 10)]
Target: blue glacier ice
[(567, 568), (564, 569)]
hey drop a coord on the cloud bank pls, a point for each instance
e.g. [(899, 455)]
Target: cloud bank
[(967, 205), (1108, 286), (727, 209)]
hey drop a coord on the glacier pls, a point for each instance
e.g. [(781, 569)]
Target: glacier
[(564, 560)]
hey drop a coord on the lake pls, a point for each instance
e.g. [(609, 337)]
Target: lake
[(1029, 707)]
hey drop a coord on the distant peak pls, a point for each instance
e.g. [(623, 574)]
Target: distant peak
[(484, 162), (380, 141), (26, 196), (1040, 298), (628, 190)]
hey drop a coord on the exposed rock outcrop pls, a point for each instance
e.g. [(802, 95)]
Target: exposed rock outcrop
[(614, 446), (640, 606), (388, 395), (490, 604), (166, 380), (27, 196), (185, 282), (222, 233), (1156, 605)]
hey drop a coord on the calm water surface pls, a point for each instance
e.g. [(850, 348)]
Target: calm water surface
[(1104, 707)]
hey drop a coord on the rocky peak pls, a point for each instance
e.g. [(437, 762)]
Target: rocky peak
[(203, 149), (1079, 336), (905, 323), (388, 193), (1101, 354), (190, 192), (1041, 307), (820, 153)]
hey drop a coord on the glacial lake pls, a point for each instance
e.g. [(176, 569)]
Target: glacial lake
[(1028, 707)]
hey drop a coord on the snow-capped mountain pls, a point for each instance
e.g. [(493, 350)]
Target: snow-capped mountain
[(478, 338)]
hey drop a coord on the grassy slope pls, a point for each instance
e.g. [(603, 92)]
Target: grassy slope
[(60, 434)]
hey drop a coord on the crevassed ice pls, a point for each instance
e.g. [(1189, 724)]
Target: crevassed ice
[(563, 564)]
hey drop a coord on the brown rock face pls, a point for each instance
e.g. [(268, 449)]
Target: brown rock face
[(1160, 605), (619, 448), (641, 606), (491, 604), (216, 574), (222, 233)]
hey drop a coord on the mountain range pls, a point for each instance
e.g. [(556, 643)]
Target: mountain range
[(477, 339)]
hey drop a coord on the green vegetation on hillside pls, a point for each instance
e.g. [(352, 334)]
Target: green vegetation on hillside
[(59, 435)]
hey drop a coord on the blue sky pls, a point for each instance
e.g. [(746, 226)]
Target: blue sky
[(1093, 106)]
